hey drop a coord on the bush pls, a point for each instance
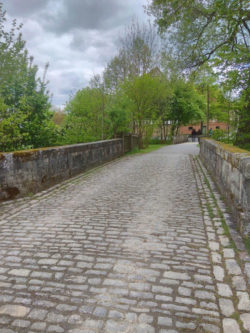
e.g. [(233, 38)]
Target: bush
[(219, 135)]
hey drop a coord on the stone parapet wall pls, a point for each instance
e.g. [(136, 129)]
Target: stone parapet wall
[(30, 171), (230, 167), (130, 142)]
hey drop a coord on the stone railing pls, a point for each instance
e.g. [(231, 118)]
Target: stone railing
[(30, 171), (230, 167)]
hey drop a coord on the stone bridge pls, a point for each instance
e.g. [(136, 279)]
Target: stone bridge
[(139, 245)]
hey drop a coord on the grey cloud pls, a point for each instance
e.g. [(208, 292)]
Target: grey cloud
[(102, 44), (87, 14), (80, 41), (77, 37), (24, 8)]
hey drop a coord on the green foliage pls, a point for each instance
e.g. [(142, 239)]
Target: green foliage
[(215, 32), (84, 119), (119, 115), (213, 94), (243, 133), (138, 105), (11, 135), (219, 135), (215, 29), (144, 93), (132, 107), (25, 120), (186, 105)]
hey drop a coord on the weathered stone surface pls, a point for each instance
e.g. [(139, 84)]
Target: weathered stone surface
[(230, 325), (184, 291), (216, 257), (39, 326), (164, 321), (121, 250), (228, 253), (232, 267), (245, 318), (55, 329), (226, 306), (247, 269), (219, 273), (20, 272), (210, 328), (20, 323), (177, 275), (100, 312), (38, 314), (239, 283), (231, 171), (244, 301), (214, 246), (47, 262), (224, 290), (37, 169), (202, 294), (14, 310)]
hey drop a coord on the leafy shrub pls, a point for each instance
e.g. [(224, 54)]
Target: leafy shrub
[(219, 135)]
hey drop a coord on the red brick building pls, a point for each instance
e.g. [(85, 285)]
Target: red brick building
[(214, 124)]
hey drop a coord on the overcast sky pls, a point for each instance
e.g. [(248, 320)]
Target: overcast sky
[(76, 37)]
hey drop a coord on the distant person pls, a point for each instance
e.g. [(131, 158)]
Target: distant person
[(193, 135), (210, 132), (199, 132)]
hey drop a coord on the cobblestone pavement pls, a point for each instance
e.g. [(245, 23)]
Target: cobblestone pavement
[(137, 245)]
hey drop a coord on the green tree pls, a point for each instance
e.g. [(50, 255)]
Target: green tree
[(98, 85), (84, 116), (215, 31), (11, 134), (119, 114), (144, 93), (186, 106), (24, 94), (205, 29), (138, 54)]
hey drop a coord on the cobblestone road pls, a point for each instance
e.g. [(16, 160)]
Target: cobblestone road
[(135, 246)]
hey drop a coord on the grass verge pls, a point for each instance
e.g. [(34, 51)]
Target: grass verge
[(148, 149)]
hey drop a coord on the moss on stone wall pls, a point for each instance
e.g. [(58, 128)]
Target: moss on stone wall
[(25, 155), (37, 169), (231, 148)]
